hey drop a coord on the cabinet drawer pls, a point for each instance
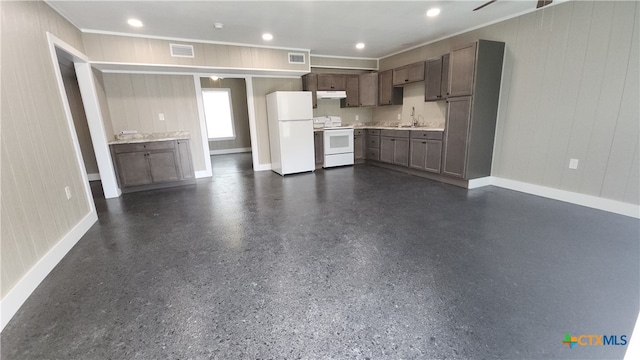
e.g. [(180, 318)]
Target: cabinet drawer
[(358, 132), (429, 135), (373, 142), (373, 154), (373, 132), (137, 147), (395, 133)]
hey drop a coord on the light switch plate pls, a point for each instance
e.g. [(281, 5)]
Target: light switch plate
[(67, 192), (357, 117), (399, 116), (161, 116), (573, 164)]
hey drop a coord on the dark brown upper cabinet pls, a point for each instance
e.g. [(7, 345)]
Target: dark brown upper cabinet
[(310, 83), (462, 65), (332, 82), (368, 89), (408, 74), (353, 90), (387, 93), (435, 78)]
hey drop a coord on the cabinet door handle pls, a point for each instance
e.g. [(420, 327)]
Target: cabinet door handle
[(424, 142)]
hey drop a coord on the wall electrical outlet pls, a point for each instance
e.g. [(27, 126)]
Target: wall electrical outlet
[(161, 116), (67, 191), (573, 164), (357, 117), (399, 116)]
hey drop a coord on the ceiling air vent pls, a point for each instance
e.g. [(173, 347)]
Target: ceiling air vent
[(296, 58), (180, 50)]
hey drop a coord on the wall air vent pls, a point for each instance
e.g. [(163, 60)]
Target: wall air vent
[(296, 58), (181, 50)]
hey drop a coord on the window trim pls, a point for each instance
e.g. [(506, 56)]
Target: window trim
[(233, 120)]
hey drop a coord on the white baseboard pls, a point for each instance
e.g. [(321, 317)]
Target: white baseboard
[(229, 151), (203, 173), (594, 202), (480, 182), (633, 348), (11, 303), (262, 167), (93, 177)]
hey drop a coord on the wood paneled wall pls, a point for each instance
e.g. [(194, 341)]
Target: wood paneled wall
[(569, 91), (345, 63), (127, 49), (135, 100), (262, 87), (37, 154), (238, 90)]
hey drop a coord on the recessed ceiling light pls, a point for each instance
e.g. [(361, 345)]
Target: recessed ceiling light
[(360, 46), (134, 22), (218, 25), (267, 36), (433, 12)]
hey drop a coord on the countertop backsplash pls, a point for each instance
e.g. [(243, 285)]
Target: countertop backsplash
[(348, 115), (430, 114)]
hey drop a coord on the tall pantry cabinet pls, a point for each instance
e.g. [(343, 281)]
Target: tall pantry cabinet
[(473, 91)]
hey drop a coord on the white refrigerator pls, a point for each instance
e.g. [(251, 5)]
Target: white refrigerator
[(290, 115)]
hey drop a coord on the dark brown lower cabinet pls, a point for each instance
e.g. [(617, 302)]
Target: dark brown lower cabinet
[(425, 155), (318, 143), (186, 163), (152, 163), (163, 166), (456, 135), (358, 145), (132, 169), (373, 144), (394, 150)]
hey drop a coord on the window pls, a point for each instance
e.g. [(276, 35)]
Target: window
[(218, 114)]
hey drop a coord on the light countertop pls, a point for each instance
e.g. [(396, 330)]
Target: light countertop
[(149, 137), (387, 127)]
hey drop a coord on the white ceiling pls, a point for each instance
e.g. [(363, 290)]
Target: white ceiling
[(324, 27)]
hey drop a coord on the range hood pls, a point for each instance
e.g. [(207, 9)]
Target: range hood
[(332, 94)]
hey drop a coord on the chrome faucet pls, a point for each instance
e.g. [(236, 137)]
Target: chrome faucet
[(414, 120)]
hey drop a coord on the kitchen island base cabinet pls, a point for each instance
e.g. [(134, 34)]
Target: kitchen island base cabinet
[(152, 165)]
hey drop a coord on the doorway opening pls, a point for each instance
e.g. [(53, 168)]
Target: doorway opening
[(69, 57), (227, 118), (78, 113)]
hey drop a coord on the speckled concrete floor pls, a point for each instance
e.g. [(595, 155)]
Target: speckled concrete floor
[(348, 263)]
